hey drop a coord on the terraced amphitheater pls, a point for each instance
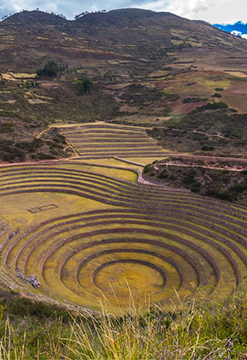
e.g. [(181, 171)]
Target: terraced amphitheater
[(90, 233), (101, 140)]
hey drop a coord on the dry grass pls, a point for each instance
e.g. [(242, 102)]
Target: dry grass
[(199, 332), (237, 73)]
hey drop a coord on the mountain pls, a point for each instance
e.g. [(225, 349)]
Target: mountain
[(135, 33)]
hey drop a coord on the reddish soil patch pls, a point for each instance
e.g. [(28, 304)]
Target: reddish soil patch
[(50, 84), (238, 88), (164, 84), (117, 86), (237, 101), (180, 108), (129, 109)]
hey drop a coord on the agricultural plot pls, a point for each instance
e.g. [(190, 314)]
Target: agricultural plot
[(96, 235), (106, 140)]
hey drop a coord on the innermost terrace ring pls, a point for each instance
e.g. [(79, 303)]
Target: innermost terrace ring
[(129, 276)]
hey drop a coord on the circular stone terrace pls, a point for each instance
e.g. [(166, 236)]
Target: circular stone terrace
[(91, 234)]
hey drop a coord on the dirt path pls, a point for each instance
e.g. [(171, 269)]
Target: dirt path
[(42, 162), (141, 180), (216, 158), (192, 157), (199, 166), (127, 161)]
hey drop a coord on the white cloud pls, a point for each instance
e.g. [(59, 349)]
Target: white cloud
[(191, 8), (226, 11), (214, 11), (68, 7), (208, 10), (158, 5), (183, 8)]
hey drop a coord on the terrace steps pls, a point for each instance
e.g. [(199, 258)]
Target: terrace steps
[(115, 140)]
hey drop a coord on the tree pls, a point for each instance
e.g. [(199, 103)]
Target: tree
[(51, 69), (85, 84)]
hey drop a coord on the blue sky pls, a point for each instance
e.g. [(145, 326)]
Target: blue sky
[(220, 11)]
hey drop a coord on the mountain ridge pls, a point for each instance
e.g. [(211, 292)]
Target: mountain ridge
[(130, 32), (131, 13), (33, 17)]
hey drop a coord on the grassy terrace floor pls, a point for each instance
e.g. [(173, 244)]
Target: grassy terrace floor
[(92, 233)]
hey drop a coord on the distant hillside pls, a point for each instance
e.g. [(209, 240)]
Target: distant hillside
[(209, 128), (221, 178)]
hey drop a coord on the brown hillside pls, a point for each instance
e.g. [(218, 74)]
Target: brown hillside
[(147, 68), (140, 34)]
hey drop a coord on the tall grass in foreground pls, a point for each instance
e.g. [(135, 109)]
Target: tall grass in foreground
[(212, 331)]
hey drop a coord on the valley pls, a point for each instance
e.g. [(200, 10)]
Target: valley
[(123, 184), (78, 213)]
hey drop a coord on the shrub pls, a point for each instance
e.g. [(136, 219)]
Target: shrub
[(195, 187), (217, 95), (207, 148), (192, 100), (189, 178), (212, 106), (223, 195), (43, 156), (147, 168), (12, 154), (30, 146), (163, 175), (238, 187), (167, 111), (6, 127)]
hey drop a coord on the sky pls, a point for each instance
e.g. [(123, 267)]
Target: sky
[(213, 11)]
